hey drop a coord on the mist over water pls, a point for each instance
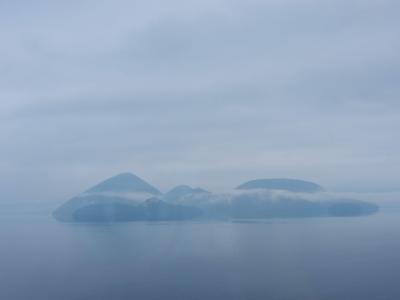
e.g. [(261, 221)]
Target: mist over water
[(315, 258), (283, 114)]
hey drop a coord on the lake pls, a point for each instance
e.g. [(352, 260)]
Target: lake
[(315, 258)]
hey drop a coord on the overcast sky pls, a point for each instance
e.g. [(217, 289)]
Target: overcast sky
[(209, 93)]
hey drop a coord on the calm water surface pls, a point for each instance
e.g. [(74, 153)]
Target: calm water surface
[(320, 258)]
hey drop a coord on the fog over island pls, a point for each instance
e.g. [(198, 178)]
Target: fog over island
[(259, 141), (126, 197)]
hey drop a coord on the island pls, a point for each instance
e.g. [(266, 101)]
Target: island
[(126, 197)]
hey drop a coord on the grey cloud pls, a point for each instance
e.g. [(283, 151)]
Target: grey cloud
[(197, 91)]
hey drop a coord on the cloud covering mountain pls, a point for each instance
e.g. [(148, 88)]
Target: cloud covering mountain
[(273, 198)]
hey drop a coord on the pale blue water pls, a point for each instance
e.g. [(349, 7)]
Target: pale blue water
[(319, 258)]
